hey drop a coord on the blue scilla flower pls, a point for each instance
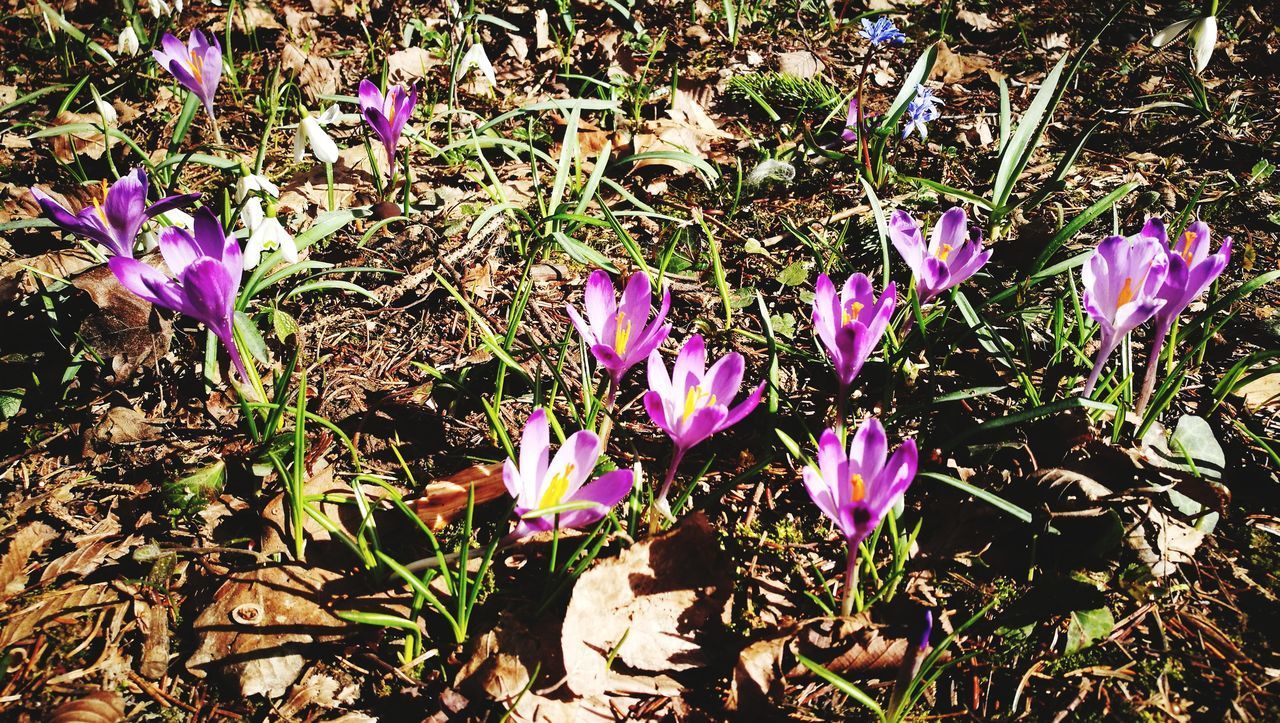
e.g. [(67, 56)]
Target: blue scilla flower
[(881, 31), (921, 110)]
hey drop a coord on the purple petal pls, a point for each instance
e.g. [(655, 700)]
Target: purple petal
[(653, 404), (867, 450), (535, 446), (724, 378), (690, 364), (598, 300), (748, 405), (178, 248), (904, 232), (146, 282), (951, 230)]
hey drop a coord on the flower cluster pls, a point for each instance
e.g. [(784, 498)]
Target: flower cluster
[(921, 110), (881, 31)]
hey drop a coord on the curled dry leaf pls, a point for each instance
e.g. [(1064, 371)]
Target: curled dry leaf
[(17, 278), (851, 647), (59, 607), (687, 129), (124, 329), (266, 657), (656, 610), (100, 706), (28, 541), (445, 499)]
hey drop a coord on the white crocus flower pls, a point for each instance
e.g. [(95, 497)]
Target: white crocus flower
[(311, 133), (477, 58), (254, 183), (127, 44), (265, 234), (1203, 38)]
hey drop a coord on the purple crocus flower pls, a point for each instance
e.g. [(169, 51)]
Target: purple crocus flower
[(1191, 270), (196, 65), (115, 220), (851, 122), (616, 330), (1122, 282), (855, 488), (206, 267), (537, 484), (881, 31), (693, 402), (850, 324), (387, 114), (950, 258)]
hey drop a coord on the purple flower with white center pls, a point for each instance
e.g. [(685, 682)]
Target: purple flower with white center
[(539, 484), (851, 324), (854, 488), (693, 402), (881, 31), (921, 110), (1192, 269), (206, 267), (1122, 282), (616, 330), (387, 114), (115, 220), (196, 65), (950, 258)]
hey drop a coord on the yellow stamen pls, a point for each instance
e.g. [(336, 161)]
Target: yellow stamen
[(945, 251), (857, 488), (621, 333), (97, 203), (696, 399), (851, 313), (197, 67), (1188, 238), (555, 491), (1126, 293)]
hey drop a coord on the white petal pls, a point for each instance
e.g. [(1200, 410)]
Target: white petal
[(321, 144), (330, 115), (127, 44), (299, 144), (252, 251), (476, 57), (251, 215), (1204, 36), (1171, 33)]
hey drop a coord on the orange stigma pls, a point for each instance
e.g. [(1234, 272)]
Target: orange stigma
[(945, 251), (1126, 293), (851, 313), (857, 488)]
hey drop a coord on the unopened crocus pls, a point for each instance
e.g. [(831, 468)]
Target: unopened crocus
[(541, 482), (854, 488), (1192, 269), (311, 134), (850, 324), (618, 331), (387, 113), (693, 402), (265, 234), (115, 219), (881, 31), (206, 266), (950, 257), (197, 65), (1122, 282), (852, 121)]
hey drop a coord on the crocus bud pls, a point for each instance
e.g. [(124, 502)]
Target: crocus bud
[(127, 44)]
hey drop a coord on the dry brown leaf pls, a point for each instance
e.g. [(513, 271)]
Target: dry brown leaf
[(975, 20), (262, 624), (654, 610), (91, 552), (445, 499), (58, 607), (124, 425), (88, 143), (411, 64), (800, 63), (687, 129), (100, 706), (124, 329), (951, 67), (28, 541), (17, 278), (307, 192), (502, 661), (317, 75), (1162, 542), (1261, 392), (851, 647), (276, 537)]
